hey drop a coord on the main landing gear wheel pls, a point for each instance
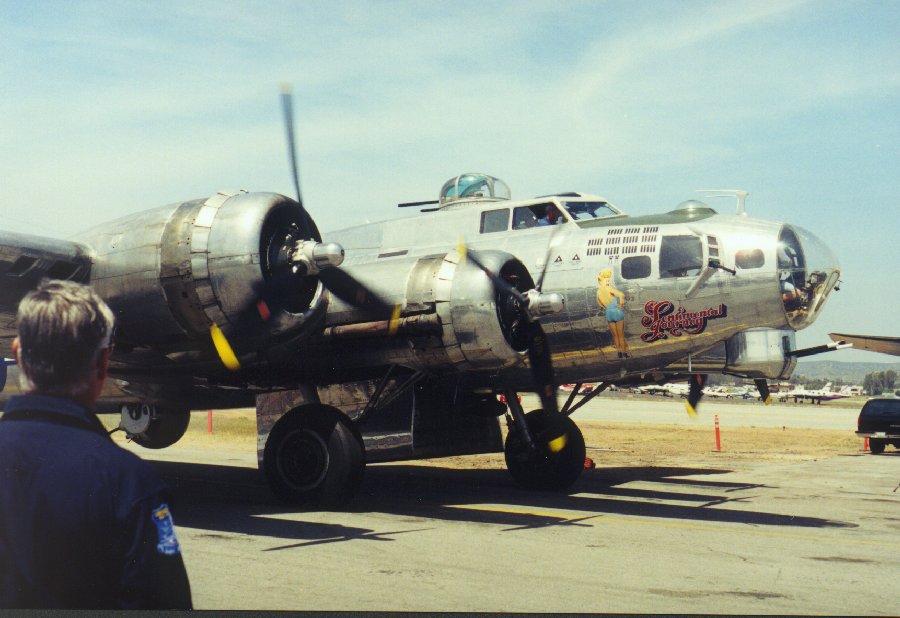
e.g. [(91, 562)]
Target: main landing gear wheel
[(314, 457), (153, 426), (541, 467)]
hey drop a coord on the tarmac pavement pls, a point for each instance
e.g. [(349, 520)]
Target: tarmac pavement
[(703, 535)]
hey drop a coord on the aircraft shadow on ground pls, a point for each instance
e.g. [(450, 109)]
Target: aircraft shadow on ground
[(236, 500), (233, 500)]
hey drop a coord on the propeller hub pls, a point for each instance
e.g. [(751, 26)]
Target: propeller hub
[(540, 303), (313, 256)]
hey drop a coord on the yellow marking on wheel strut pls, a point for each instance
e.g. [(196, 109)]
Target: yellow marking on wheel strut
[(394, 322), (557, 444)]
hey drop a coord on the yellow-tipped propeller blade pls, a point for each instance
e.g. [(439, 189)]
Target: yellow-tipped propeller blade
[(462, 250), (692, 412), (223, 348)]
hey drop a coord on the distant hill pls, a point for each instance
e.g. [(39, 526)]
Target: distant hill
[(843, 371)]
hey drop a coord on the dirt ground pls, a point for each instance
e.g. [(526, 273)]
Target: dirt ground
[(618, 444), (608, 444)]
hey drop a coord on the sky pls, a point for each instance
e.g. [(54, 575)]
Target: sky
[(110, 108)]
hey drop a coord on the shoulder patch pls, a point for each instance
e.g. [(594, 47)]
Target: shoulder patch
[(167, 543)]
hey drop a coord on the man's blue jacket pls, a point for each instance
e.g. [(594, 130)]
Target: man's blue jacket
[(83, 522)]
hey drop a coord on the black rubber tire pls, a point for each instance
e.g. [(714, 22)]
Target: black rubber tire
[(541, 468), (314, 457), (876, 446), (165, 430)]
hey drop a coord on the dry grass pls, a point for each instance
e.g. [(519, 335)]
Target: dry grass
[(608, 443), (232, 429), (649, 444)]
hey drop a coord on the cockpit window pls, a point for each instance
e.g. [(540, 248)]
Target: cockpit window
[(494, 220), (537, 215), (749, 258), (523, 218), (581, 211), (680, 256)]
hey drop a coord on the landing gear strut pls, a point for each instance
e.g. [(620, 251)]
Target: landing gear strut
[(543, 450)]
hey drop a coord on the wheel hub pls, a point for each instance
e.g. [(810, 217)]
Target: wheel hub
[(135, 418), (303, 459)]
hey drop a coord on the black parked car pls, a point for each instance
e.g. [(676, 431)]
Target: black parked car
[(879, 421)]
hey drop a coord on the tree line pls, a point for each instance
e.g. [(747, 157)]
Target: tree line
[(880, 382)]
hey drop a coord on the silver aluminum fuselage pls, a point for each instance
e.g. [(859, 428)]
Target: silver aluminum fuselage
[(666, 318)]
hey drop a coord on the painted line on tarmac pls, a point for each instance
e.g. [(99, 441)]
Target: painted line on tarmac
[(571, 515)]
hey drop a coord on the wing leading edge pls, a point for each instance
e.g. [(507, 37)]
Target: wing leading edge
[(24, 261)]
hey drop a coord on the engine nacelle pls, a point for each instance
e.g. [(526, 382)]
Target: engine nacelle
[(452, 316), (172, 272), (483, 325)]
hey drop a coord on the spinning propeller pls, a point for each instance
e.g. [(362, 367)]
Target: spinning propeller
[(763, 387), (526, 308), (296, 259), (695, 393), (698, 381)]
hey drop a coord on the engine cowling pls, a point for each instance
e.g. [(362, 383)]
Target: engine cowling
[(487, 329), (453, 318), (171, 272)]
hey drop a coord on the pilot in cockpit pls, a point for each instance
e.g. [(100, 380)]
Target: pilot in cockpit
[(551, 216)]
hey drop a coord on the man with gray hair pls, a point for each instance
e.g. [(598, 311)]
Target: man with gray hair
[(83, 522)]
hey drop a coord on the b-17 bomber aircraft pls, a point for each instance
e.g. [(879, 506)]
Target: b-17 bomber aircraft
[(394, 340)]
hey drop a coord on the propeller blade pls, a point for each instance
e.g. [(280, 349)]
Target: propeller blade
[(496, 279), (249, 321), (287, 286), (551, 245), (351, 291), (555, 436), (695, 393), (763, 387), (542, 367), (287, 106), (223, 348)]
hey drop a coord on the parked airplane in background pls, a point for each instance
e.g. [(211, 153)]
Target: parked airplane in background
[(800, 394), (398, 348), (668, 389), (728, 392)]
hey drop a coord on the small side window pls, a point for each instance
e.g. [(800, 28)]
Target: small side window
[(749, 258), (636, 267), (494, 220)]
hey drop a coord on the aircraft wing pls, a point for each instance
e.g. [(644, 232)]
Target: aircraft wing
[(873, 343), (24, 261)]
